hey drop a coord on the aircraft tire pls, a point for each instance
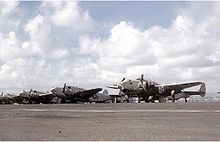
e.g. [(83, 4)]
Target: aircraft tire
[(63, 101), (59, 101)]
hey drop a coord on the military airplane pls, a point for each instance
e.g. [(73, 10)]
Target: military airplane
[(5, 99), (8, 98), (148, 90), (34, 96), (74, 94)]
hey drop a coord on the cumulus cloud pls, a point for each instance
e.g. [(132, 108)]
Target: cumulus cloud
[(9, 46), (42, 28), (69, 15), (40, 60), (8, 7), (186, 50), (8, 14)]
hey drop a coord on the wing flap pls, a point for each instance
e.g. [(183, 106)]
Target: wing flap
[(113, 87)]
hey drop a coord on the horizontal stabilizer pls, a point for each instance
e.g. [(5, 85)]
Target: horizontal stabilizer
[(113, 87)]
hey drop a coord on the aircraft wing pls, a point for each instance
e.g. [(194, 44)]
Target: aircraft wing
[(179, 86), (88, 93)]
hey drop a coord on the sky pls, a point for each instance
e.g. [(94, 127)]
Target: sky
[(44, 44)]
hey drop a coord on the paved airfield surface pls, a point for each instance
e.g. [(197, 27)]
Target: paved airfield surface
[(91, 122)]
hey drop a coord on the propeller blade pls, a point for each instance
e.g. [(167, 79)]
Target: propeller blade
[(123, 79), (142, 86), (64, 87), (142, 78)]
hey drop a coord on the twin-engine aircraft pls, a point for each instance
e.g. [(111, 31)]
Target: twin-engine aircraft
[(6, 98), (34, 96), (74, 94), (149, 91), (26, 97), (57, 95)]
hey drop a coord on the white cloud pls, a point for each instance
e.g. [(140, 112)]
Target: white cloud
[(60, 53), (42, 42), (9, 46), (187, 50), (176, 53), (8, 7), (68, 15), (8, 16), (38, 28), (41, 60), (20, 73)]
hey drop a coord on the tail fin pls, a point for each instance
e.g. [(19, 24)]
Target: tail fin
[(202, 90), (105, 92)]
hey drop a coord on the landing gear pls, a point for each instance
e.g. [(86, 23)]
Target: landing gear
[(185, 100), (26, 101), (173, 99), (114, 100), (173, 95), (150, 99)]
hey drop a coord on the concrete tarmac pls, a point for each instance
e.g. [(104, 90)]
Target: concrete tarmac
[(104, 122)]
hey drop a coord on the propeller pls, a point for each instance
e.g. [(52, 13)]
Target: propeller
[(30, 92), (117, 86), (141, 84), (122, 79), (142, 78), (64, 88)]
